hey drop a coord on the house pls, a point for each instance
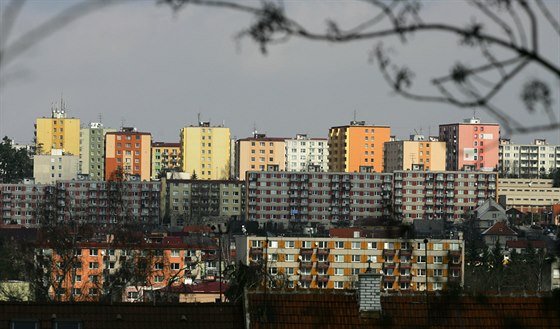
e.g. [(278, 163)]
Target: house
[(498, 232), (488, 214)]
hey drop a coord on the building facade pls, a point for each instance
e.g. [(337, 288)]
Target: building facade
[(165, 157), (260, 153), (536, 160), (49, 168), (93, 202), (418, 152), (471, 145), (446, 195), (334, 263), (187, 202), (58, 132), (357, 147), (92, 150), (307, 154), (534, 196), (205, 151), (128, 151), (294, 198)]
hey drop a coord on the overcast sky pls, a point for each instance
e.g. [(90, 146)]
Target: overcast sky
[(142, 65)]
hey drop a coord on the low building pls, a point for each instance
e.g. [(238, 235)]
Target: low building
[(488, 214), (533, 196), (49, 168), (334, 263), (498, 233)]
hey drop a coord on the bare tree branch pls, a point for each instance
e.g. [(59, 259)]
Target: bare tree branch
[(549, 17)]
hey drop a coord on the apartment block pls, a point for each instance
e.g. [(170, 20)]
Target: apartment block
[(165, 157), (205, 151), (85, 201), (92, 150), (535, 160), (168, 261), (357, 147), (49, 168), (307, 154), (187, 202), (441, 195), (334, 263), (528, 195), (301, 198), (58, 132), (128, 151), (471, 145), (260, 153), (428, 154)]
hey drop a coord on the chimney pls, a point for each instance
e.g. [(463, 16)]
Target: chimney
[(369, 293)]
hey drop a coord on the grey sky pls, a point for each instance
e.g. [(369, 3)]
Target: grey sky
[(156, 70)]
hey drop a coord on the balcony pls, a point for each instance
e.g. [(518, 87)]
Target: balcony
[(322, 278), (306, 264), (323, 264), (256, 251), (323, 251), (405, 278), (306, 251), (306, 278), (389, 252)]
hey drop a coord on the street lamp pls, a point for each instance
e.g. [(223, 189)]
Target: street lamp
[(426, 264), (220, 229)]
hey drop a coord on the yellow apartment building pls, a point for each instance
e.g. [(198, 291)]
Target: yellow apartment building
[(357, 147), (205, 151), (58, 132), (260, 153), (404, 155), (165, 157)]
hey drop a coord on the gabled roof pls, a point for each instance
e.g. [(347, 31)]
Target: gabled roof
[(501, 229), (489, 205)]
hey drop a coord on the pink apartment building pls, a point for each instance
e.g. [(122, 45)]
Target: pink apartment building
[(471, 145)]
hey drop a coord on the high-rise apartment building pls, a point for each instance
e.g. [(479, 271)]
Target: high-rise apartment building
[(301, 198), (128, 151), (441, 195), (535, 160), (165, 157), (357, 147), (92, 150), (58, 132), (471, 145), (187, 202), (428, 154), (205, 151), (260, 153), (307, 154)]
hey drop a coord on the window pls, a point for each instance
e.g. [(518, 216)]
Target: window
[(256, 244), (421, 259), (289, 271), (339, 285), (132, 295), (438, 272), (306, 244), (372, 245), (175, 266), (323, 244), (93, 251), (387, 285), (158, 278), (339, 244), (93, 265), (93, 291), (175, 253), (92, 278), (272, 244), (356, 245), (438, 259), (454, 246), (388, 245), (437, 286), (289, 257), (438, 246), (355, 258), (24, 324), (290, 244), (77, 278), (76, 291), (388, 259), (421, 272), (405, 285), (339, 258), (338, 271)]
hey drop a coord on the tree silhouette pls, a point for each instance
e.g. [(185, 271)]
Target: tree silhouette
[(506, 33)]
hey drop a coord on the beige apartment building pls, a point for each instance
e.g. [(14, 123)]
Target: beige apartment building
[(528, 195), (415, 153), (334, 262), (260, 153)]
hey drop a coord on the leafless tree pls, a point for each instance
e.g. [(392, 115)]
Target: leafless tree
[(507, 45)]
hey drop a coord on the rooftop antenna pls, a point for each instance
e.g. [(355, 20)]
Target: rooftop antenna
[(198, 116), (122, 123), (354, 115), (100, 117), (254, 129)]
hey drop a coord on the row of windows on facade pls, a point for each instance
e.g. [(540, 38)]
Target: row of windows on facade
[(388, 259), (306, 244)]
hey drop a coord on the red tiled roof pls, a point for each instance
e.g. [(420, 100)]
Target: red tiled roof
[(522, 244), (337, 309), (500, 228)]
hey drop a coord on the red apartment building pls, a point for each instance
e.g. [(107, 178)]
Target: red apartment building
[(130, 151)]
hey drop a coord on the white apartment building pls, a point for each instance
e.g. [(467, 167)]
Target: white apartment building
[(307, 154), (528, 160)]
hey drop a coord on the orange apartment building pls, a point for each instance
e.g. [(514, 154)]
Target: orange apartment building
[(85, 273), (260, 153), (357, 147), (335, 262), (129, 151)]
